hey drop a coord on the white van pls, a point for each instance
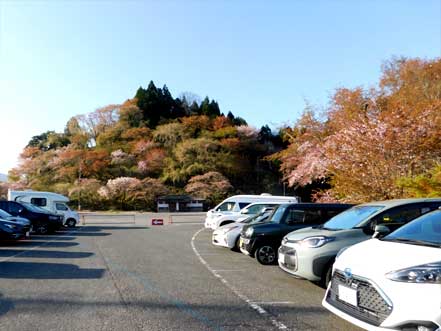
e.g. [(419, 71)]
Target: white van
[(234, 204), (53, 202)]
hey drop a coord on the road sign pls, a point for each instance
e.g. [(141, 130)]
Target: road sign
[(157, 221)]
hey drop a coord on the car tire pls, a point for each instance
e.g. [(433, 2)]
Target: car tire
[(326, 278), (266, 255), (236, 247), (70, 223), (41, 229)]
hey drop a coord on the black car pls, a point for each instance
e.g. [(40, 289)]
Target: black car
[(42, 221), (262, 240), (12, 230)]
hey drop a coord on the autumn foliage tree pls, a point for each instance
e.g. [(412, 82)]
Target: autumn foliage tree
[(369, 140)]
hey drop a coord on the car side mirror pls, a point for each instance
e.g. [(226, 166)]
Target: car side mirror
[(380, 231)]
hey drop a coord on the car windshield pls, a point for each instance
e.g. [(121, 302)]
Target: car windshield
[(32, 207), (4, 214), (278, 214), (425, 230), (351, 218), (257, 218)]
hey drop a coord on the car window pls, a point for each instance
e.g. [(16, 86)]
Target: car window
[(60, 206), (426, 228), (41, 202), (243, 204), (400, 215), (313, 216), (226, 206), (295, 216), (255, 209)]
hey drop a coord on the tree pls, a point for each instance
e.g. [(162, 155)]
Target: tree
[(212, 186)]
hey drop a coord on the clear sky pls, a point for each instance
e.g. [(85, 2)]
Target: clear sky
[(259, 59)]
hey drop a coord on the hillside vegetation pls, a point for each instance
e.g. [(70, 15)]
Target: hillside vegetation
[(367, 144), (125, 156)]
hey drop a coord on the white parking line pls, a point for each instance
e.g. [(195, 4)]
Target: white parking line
[(252, 304)]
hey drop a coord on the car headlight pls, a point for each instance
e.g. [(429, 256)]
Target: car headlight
[(249, 232), (429, 273), (314, 242), (10, 226)]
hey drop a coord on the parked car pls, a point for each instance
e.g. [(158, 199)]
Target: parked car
[(262, 240), (229, 234), (310, 253), (13, 230), (42, 221), (8, 217), (392, 283), (234, 204), (52, 202), (250, 210)]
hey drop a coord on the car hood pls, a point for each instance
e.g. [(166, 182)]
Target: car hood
[(373, 258), (231, 225), (310, 232)]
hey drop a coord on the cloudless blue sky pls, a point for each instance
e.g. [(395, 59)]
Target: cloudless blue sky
[(259, 59)]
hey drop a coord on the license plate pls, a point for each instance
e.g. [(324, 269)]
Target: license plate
[(27, 234), (281, 258), (348, 295)]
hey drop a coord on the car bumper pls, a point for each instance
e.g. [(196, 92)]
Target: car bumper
[(410, 305), (222, 239), (246, 246), (308, 267)]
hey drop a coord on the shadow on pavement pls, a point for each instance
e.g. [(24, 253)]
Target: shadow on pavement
[(5, 305), (35, 270), (44, 254), (33, 243)]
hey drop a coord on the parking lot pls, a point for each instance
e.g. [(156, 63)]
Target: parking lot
[(120, 272)]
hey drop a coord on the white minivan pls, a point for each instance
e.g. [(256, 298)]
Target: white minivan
[(234, 204), (392, 283), (53, 202)]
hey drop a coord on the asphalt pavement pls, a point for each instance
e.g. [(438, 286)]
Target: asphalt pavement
[(110, 275)]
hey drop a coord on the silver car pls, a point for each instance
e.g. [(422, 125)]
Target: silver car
[(310, 253)]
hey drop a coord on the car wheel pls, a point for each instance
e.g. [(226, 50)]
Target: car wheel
[(42, 229), (236, 247), (326, 278), (71, 223), (266, 255)]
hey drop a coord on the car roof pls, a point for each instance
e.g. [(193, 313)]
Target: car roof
[(313, 204), (399, 202)]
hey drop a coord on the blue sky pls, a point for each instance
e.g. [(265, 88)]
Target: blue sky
[(261, 60)]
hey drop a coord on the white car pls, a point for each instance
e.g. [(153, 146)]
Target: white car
[(250, 210), (234, 204), (393, 283), (228, 235)]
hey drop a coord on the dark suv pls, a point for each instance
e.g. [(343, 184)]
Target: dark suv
[(262, 240), (42, 221)]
